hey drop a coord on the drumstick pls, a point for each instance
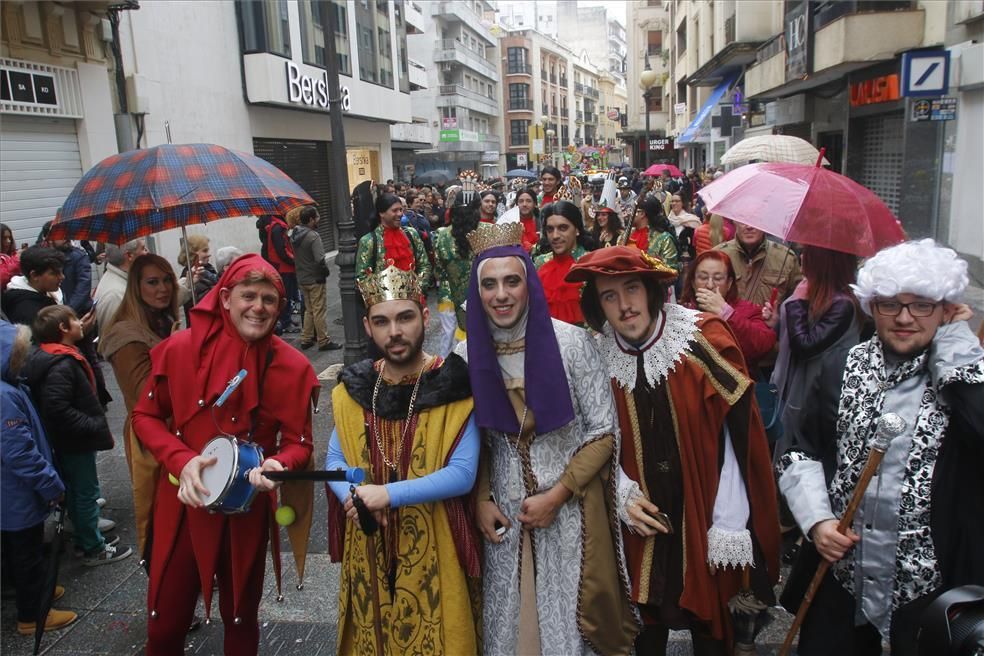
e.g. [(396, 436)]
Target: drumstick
[(354, 475)]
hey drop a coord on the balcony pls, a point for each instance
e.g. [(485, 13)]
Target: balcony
[(544, 109), (564, 82), (417, 75), (455, 95), (543, 75), (591, 91), (580, 116), (553, 78), (456, 141), (449, 50), (590, 117), (579, 88), (520, 105), (457, 11), (849, 43), (519, 69), (414, 17), (417, 133)]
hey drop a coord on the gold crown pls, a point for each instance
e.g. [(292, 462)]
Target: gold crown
[(490, 235), (570, 190), (392, 284)]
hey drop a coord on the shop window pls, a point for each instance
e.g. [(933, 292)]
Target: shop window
[(314, 25), (519, 133), (264, 26)]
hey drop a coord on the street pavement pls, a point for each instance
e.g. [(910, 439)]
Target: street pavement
[(111, 599)]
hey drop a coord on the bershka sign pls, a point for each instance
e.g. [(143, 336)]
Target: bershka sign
[(306, 90)]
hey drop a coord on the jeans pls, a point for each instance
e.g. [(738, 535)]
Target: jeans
[(78, 471), (23, 560), (315, 315)]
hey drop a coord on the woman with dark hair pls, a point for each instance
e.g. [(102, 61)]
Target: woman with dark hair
[(709, 286), (821, 315), (528, 216), (452, 268), (607, 228), (389, 242), (651, 232), (9, 260), (147, 315), (563, 231)]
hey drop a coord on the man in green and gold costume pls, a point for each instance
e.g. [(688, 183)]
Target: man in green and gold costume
[(406, 420)]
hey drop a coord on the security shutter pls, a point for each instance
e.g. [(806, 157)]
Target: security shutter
[(883, 147), (307, 163), (39, 166)]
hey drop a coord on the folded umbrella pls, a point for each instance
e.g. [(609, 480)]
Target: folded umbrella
[(50, 578), (807, 205)]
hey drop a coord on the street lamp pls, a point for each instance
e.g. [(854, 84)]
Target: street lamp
[(550, 135), (646, 81)]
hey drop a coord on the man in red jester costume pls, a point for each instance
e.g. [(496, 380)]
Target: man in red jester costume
[(232, 329)]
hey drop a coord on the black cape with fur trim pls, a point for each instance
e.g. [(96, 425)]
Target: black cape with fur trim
[(446, 384)]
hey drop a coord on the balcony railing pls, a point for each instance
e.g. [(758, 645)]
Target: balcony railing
[(519, 140), (543, 75), (580, 115), (578, 88), (521, 104), (519, 69), (564, 82), (553, 78), (591, 91), (454, 51), (590, 117), (544, 111)]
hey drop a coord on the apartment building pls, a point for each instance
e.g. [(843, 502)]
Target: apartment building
[(462, 103), (647, 43), (594, 31)]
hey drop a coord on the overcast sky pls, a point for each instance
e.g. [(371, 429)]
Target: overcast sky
[(616, 8)]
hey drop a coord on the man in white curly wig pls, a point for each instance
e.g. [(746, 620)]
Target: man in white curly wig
[(920, 526)]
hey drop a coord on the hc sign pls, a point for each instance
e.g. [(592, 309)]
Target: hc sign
[(925, 73)]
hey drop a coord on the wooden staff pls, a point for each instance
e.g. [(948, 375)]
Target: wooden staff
[(889, 427), (369, 526)]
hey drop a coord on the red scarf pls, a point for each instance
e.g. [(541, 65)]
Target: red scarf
[(563, 298), (640, 237), (396, 246), (72, 352), (530, 235)]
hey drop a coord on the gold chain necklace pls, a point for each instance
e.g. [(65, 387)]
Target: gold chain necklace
[(374, 421)]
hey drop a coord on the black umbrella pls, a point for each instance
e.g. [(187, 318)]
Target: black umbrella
[(433, 177), (50, 578)]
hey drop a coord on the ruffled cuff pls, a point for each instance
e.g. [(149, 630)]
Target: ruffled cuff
[(628, 493), (726, 548)]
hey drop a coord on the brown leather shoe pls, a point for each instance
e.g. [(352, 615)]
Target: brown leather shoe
[(59, 593), (57, 619)]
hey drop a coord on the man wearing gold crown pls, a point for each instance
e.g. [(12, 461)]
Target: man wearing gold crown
[(554, 580), (696, 492), (405, 419)]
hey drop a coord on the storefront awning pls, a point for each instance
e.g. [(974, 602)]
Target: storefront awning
[(691, 132)]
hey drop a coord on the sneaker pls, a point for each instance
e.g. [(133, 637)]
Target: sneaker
[(109, 554), (305, 345), (330, 346), (112, 542), (106, 525), (101, 502), (57, 619)]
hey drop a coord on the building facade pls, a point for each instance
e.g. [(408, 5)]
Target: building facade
[(525, 15), (592, 30), (463, 99), (246, 75), (647, 42)]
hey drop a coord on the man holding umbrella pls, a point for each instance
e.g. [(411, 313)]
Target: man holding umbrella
[(232, 329), (919, 528)]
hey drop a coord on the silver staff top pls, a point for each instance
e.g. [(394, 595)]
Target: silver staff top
[(889, 426)]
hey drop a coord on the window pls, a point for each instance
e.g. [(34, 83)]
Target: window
[(655, 102), (314, 24), (519, 96), (682, 39), (516, 61), (375, 48), (655, 40), (265, 27), (401, 45), (565, 135), (519, 133)]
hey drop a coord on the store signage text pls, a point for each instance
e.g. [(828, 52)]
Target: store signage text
[(661, 144), (876, 90), (28, 88), (306, 90)]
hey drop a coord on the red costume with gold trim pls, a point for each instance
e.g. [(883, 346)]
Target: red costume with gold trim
[(174, 419)]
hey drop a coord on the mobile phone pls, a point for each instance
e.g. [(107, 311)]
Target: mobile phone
[(663, 519), (500, 530)]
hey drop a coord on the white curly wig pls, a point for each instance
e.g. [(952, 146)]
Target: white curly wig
[(923, 268)]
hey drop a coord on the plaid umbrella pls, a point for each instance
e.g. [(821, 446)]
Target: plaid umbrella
[(773, 148), (141, 192)]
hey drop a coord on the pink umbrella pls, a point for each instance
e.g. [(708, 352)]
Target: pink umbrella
[(657, 169), (805, 204)]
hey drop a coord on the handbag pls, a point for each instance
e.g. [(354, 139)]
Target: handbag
[(767, 397)]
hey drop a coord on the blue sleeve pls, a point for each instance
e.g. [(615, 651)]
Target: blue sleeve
[(453, 480), (21, 456), (336, 460)]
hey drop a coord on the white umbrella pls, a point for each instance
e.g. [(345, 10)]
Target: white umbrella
[(773, 148)]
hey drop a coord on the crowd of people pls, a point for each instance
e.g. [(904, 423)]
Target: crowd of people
[(581, 467)]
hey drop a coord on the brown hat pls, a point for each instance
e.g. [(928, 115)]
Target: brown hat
[(617, 261)]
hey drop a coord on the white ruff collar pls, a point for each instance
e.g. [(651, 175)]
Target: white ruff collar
[(661, 351)]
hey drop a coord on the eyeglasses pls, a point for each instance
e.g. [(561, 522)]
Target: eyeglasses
[(894, 308), (703, 277)]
